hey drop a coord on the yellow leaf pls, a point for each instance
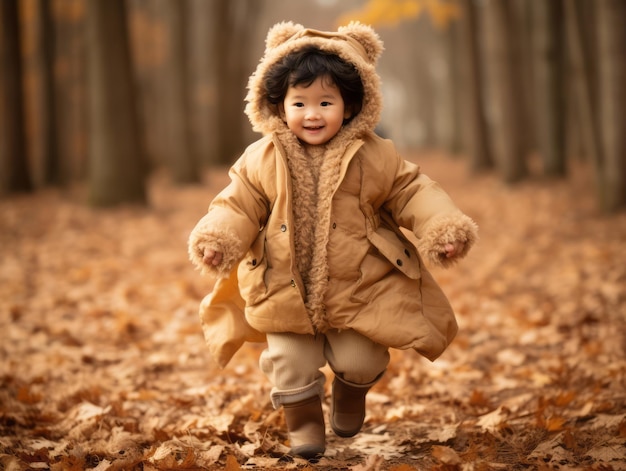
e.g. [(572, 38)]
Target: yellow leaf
[(391, 12), (554, 424)]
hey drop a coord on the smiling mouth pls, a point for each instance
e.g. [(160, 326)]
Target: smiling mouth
[(313, 128)]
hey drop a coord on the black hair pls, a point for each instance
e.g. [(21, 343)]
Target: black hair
[(304, 66)]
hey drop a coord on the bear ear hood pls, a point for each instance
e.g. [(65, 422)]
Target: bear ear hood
[(356, 43), (279, 33), (366, 37)]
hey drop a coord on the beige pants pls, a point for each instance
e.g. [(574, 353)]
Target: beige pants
[(292, 362)]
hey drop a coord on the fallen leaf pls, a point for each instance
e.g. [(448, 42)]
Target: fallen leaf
[(446, 455), (232, 464), (493, 421), (372, 463), (442, 434)]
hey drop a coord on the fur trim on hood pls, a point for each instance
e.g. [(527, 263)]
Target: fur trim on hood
[(356, 44)]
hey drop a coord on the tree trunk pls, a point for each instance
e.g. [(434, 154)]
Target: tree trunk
[(548, 79), (203, 80), (453, 47), (117, 168), (233, 35), (70, 100), (583, 85), (149, 44), (38, 56), (475, 122), (182, 161), (14, 175), (611, 23), (443, 87), (522, 43), (52, 165), (504, 64)]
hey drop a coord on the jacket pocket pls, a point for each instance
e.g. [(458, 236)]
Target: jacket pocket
[(252, 270), (374, 269), (398, 250)]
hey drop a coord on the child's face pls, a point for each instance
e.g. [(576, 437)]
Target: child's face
[(315, 113)]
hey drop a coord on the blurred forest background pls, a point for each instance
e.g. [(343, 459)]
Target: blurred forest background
[(118, 121), (104, 93)]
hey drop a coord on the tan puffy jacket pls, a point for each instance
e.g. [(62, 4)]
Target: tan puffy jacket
[(310, 248)]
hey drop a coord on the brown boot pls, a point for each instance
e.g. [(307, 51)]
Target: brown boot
[(347, 410), (305, 423)]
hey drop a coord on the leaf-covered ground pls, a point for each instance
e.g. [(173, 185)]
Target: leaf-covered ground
[(103, 365)]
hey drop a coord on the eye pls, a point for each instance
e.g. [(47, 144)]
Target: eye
[(298, 105), (325, 103)]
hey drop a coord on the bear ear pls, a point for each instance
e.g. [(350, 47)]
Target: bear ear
[(281, 32), (367, 37)]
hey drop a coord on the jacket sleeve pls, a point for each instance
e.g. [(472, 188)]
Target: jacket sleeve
[(418, 203), (232, 221)]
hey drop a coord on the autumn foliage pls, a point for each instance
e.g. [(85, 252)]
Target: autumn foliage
[(392, 12), (103, 366)]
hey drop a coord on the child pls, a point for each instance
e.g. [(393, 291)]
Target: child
[(306, 242)]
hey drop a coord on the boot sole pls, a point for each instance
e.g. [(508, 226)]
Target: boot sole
[(308, 452), (344, 433)]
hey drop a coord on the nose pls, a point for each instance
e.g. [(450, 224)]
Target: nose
[(312, 113)]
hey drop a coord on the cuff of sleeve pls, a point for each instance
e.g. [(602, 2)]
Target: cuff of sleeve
[(447, 230), (225, 242)]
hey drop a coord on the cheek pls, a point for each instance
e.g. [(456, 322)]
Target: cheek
[(288, 117)]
